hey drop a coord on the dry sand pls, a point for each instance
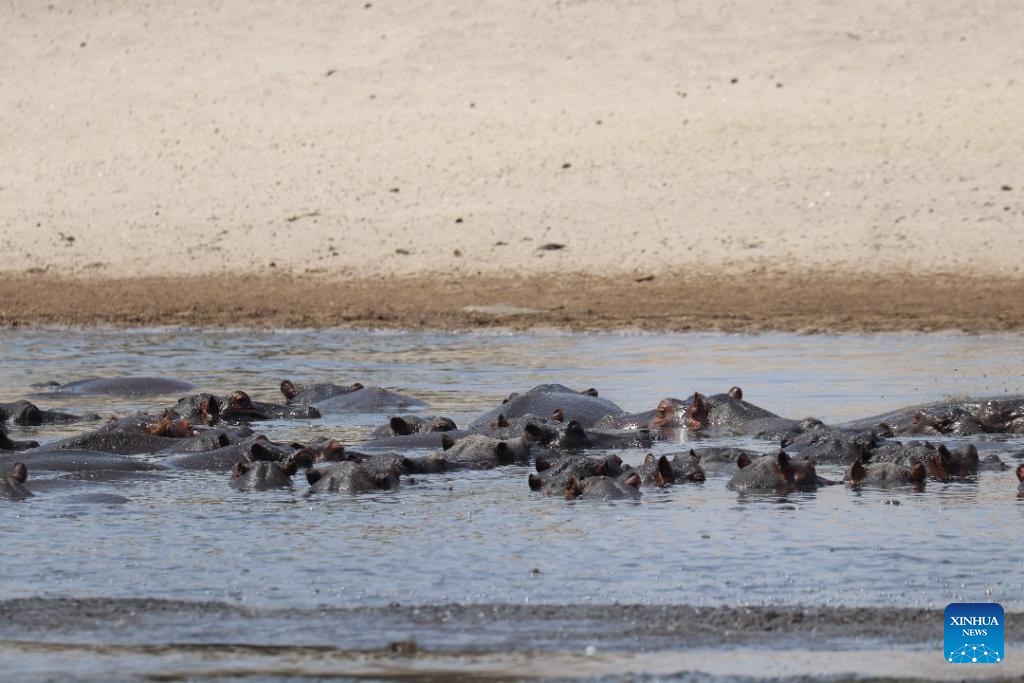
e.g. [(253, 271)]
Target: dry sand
[(378, 146)]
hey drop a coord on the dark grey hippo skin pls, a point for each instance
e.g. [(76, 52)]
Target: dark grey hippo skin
[(545, 399), (128, 387)]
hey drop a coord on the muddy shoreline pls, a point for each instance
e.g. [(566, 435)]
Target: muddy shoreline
[(732, 302)]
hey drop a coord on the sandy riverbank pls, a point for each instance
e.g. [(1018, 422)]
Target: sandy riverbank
[(553, 151)]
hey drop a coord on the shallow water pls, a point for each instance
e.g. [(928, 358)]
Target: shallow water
[(483, 537)]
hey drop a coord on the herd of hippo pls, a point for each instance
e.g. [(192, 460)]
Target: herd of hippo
[(551, 427)]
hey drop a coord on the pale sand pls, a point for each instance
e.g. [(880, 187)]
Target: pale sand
[(196, 137)]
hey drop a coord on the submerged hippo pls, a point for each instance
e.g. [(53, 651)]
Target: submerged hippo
[(29, 414), (1020, 480), (12, 485), (553, 474), (660, 471), (72, 460), (262, 475), (355, 398), (989, 415), (586, 408), (777, 473), (349, 477), (407, 425), (885, 474), (478, 452), (128, 387), (604, 488)]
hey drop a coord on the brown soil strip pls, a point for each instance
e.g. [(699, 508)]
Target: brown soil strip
[(810, 302)]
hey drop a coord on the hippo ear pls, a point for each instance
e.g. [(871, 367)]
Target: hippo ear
[(533, 432), (383, 480), (542, 463), (1020, 473), (223, 440), (945, 458), (632, 480), (19, 472), (665, 474), (572, 489), (970, 454), (399, 426), (857, 472), (535, 482), (613, 461), (239, 469), (313, 476), (558, 415), (743, 460), (289, 467), (259, 451), (736, 393), (649, 459), (783, 459), (446, 442), (601, 469), (499, 423), (288, 389), (590, 392), (503, 453), (694, 456), (917, 471)]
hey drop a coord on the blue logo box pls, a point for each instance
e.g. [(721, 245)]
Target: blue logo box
[(973, 633)]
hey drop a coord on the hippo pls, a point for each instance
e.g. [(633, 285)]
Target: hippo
[(715, 457), (604, 488), (29, 414), (554, 473), (545, 399), (12, 485), (108, 440), (1020, 480), (777, 473), (8, 444), (685, 468), (127, 387), (719, 413), (74, 460), (829, 445), (398, 464), (355, 398), (261, 475), (884, 474), (478, 452), (571, 437), (426, 440), (655, 471), (939, 461), (989, 415), (253, 449), (406, 425), (349, 477), (238, 406)]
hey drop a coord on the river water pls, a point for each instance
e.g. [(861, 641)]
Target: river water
[(484, 537)]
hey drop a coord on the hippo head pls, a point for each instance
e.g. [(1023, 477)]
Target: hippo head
[(238, 404), (573, 437), (19, 473), (802, 471), (440, 424), (170, 425), (332, 451), (690, 470), (289, 390), (539, 433), (558, 415), (27, 414), (736, 393), (666, 415)]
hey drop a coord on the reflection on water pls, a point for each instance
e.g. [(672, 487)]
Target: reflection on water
[(483, 536)]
